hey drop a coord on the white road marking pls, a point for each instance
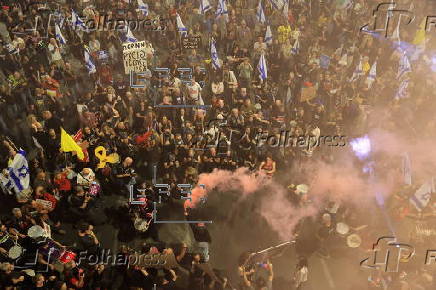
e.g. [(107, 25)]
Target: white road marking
[(328, 275)]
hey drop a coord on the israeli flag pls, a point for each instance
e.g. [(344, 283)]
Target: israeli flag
[(407, 169), (129, 35), (286, 9), (143, 7), (404, 66), (422, 196), (77, 22), (268, 35), (372, 75), (357, 72), (260, 14), (89, 64), (59, 35), (278, 4), (19, 174), (214, 55), (296, 48), (204, 6), (262, 68), (180, 26), (402, 92), (222, 10)]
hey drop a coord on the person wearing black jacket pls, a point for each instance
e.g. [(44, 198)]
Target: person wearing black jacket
[(202, 237)]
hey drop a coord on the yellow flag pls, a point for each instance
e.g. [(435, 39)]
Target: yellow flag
[(69, 145), (420, 34), (366, 67)]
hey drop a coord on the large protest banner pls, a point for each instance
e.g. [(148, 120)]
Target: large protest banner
[(135, 56)]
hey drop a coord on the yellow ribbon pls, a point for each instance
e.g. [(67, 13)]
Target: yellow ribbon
[(100, 153)]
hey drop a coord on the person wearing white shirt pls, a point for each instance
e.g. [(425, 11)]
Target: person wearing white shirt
[(55, 53), (86, 177), (194, 92)]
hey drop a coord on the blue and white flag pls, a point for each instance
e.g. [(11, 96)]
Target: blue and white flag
[(278, 4), (358, 72), (18, 173), (129, 35), (402, 92), (204, 6), (78, 23), (268, 36), (422, 196), (260, 15), (324, 61), (180, 26), (286, 9), (263, 72), (296, 48), (214, 55), (407, 169), (102, 55), (221, 10), (143, 7), (372, 75), (59, 35), (404, 66), (89, 64)]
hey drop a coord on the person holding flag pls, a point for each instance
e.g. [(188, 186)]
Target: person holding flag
[(129, 37), (204, 6), (180, 26), (89, 63), (78, 23), (59, 37), (216, 62), (263, 72), (69, 145), (260, 15), (268, 36), (17, 176), (221, 10), (296, 48), (143, 7)]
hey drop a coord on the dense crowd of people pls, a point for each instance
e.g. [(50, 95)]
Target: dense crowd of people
[(178, 125)]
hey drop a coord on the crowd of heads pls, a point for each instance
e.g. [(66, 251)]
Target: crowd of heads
[(174, 125)]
